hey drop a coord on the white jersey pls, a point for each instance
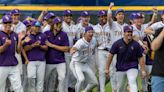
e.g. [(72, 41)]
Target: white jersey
[(20, 27), (103, 36), (46, 28), (71, 32), (139, 33), (117, 31), (84, 50), (157, 25), (80, 29)]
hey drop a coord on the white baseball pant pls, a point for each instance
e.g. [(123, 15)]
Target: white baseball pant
[(102, 59), (113, 79), (61, 71), (79, 69), (131, 75), (13, 74), (70, 80), (24, 77), (35, 75)]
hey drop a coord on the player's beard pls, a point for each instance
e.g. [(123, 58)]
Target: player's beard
[(129, 37)]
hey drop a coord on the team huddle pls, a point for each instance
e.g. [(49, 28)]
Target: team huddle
[(53, 54)]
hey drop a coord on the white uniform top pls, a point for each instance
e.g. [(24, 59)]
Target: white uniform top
[(71, 32), (1, 27), (116, 31), (20, 27), (102, 35), (84, 50), (157, 25), (46, 28), (140, 33), (80, 29)]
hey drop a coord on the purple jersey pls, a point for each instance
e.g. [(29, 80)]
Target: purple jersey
[(36, 53), (127, 54), (54, 56), (7, 58)]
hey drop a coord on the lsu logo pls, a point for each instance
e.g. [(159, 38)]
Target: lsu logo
[(15, 38), (59, 38), (39, 38), (132, 48)]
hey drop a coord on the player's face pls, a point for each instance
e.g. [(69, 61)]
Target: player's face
[(58, 27), (103, 19), (7, 26), (86, 19), (50, 20), (15, 18), (120, 16), (37, 29), (138, 21), (68, 18), (89, 34), (128, 35)]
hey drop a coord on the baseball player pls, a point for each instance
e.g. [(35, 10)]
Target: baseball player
[(85, 19), (79, 62), (139, 36), (10, 43), (116, 28), (57, 43), (24, 57), (129, 55), (36, 65), (102, 32), (18, 27), (47, 21), (70, 29)]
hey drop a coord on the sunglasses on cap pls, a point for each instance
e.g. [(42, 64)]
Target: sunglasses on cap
[(6, 22), (68, 15)]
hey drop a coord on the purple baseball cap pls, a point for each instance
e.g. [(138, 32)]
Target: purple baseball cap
[(102, 13), (138, 16), (67, 12), (119, 10), (57, 20), (6, 18), (15, 11), (88, 28), (128, 28), (84, 14), (132, 16), (36, 23), (49, 15), (27, 23)]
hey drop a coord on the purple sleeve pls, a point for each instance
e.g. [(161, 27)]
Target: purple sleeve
[(114, 48), (27, 43), (65, 41), (44, 38)]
